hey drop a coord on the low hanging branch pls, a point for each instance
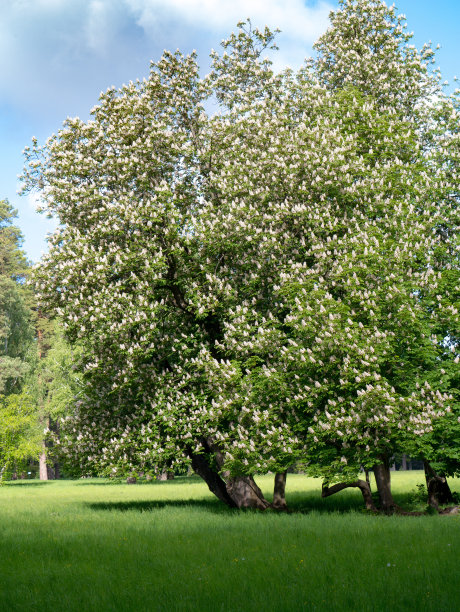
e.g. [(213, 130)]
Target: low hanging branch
[(362, 485)]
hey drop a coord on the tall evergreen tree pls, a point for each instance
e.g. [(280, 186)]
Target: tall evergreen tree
[(15, 316), (18, 424)]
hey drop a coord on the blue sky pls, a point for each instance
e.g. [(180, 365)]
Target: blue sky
[(56, 56)]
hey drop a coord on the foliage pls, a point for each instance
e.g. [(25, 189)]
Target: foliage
[(13, 263), (55, 381), (19, 433), (15, 327), (278, 281)]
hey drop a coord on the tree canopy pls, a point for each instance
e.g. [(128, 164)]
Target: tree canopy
[(274, 282)]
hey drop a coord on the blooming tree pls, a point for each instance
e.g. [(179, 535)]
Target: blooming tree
[(259, 286)]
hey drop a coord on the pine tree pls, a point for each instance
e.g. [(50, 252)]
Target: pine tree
[(18, 424)]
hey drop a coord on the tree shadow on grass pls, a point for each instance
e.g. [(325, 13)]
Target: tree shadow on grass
[(298, 503), (27, 483), (102, 482), (301, 503), (210, 505), (348, 502)]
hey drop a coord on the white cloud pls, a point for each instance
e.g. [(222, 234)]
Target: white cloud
[(294, 17), (97, 28), (57, 55), (300, 23)]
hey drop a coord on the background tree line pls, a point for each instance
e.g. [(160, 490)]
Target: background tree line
[(37, 379)]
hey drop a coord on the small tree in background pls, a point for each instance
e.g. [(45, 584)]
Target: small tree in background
[(20, 435)]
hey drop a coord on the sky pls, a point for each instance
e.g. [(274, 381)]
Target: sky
[(56, 56)]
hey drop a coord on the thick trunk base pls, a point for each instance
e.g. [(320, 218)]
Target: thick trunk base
[(439, 493), (383, 481), (235, 492), (245, 493)]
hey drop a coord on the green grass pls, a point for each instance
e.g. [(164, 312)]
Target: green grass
[(92, 545)]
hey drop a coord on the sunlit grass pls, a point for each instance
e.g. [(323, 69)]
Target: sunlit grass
[(93, 545)]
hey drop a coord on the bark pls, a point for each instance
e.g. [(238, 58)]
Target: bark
[(439, 492), (215, 483), (242, 489), (245, 493), (383, 482), (46, 471), (362, 485), (234, 491), (279, 499)]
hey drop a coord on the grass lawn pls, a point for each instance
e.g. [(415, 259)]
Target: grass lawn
[(92, 545)]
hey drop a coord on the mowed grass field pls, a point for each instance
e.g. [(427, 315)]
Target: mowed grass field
[(94, 545)]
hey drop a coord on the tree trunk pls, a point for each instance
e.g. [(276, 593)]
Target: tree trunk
[(362, 485), (245, 493), (215, 483), (279, 499), (241, 489), (404, 462), (383, 482), (235, 492), (43, 468), (439, 492), (46, 472)]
